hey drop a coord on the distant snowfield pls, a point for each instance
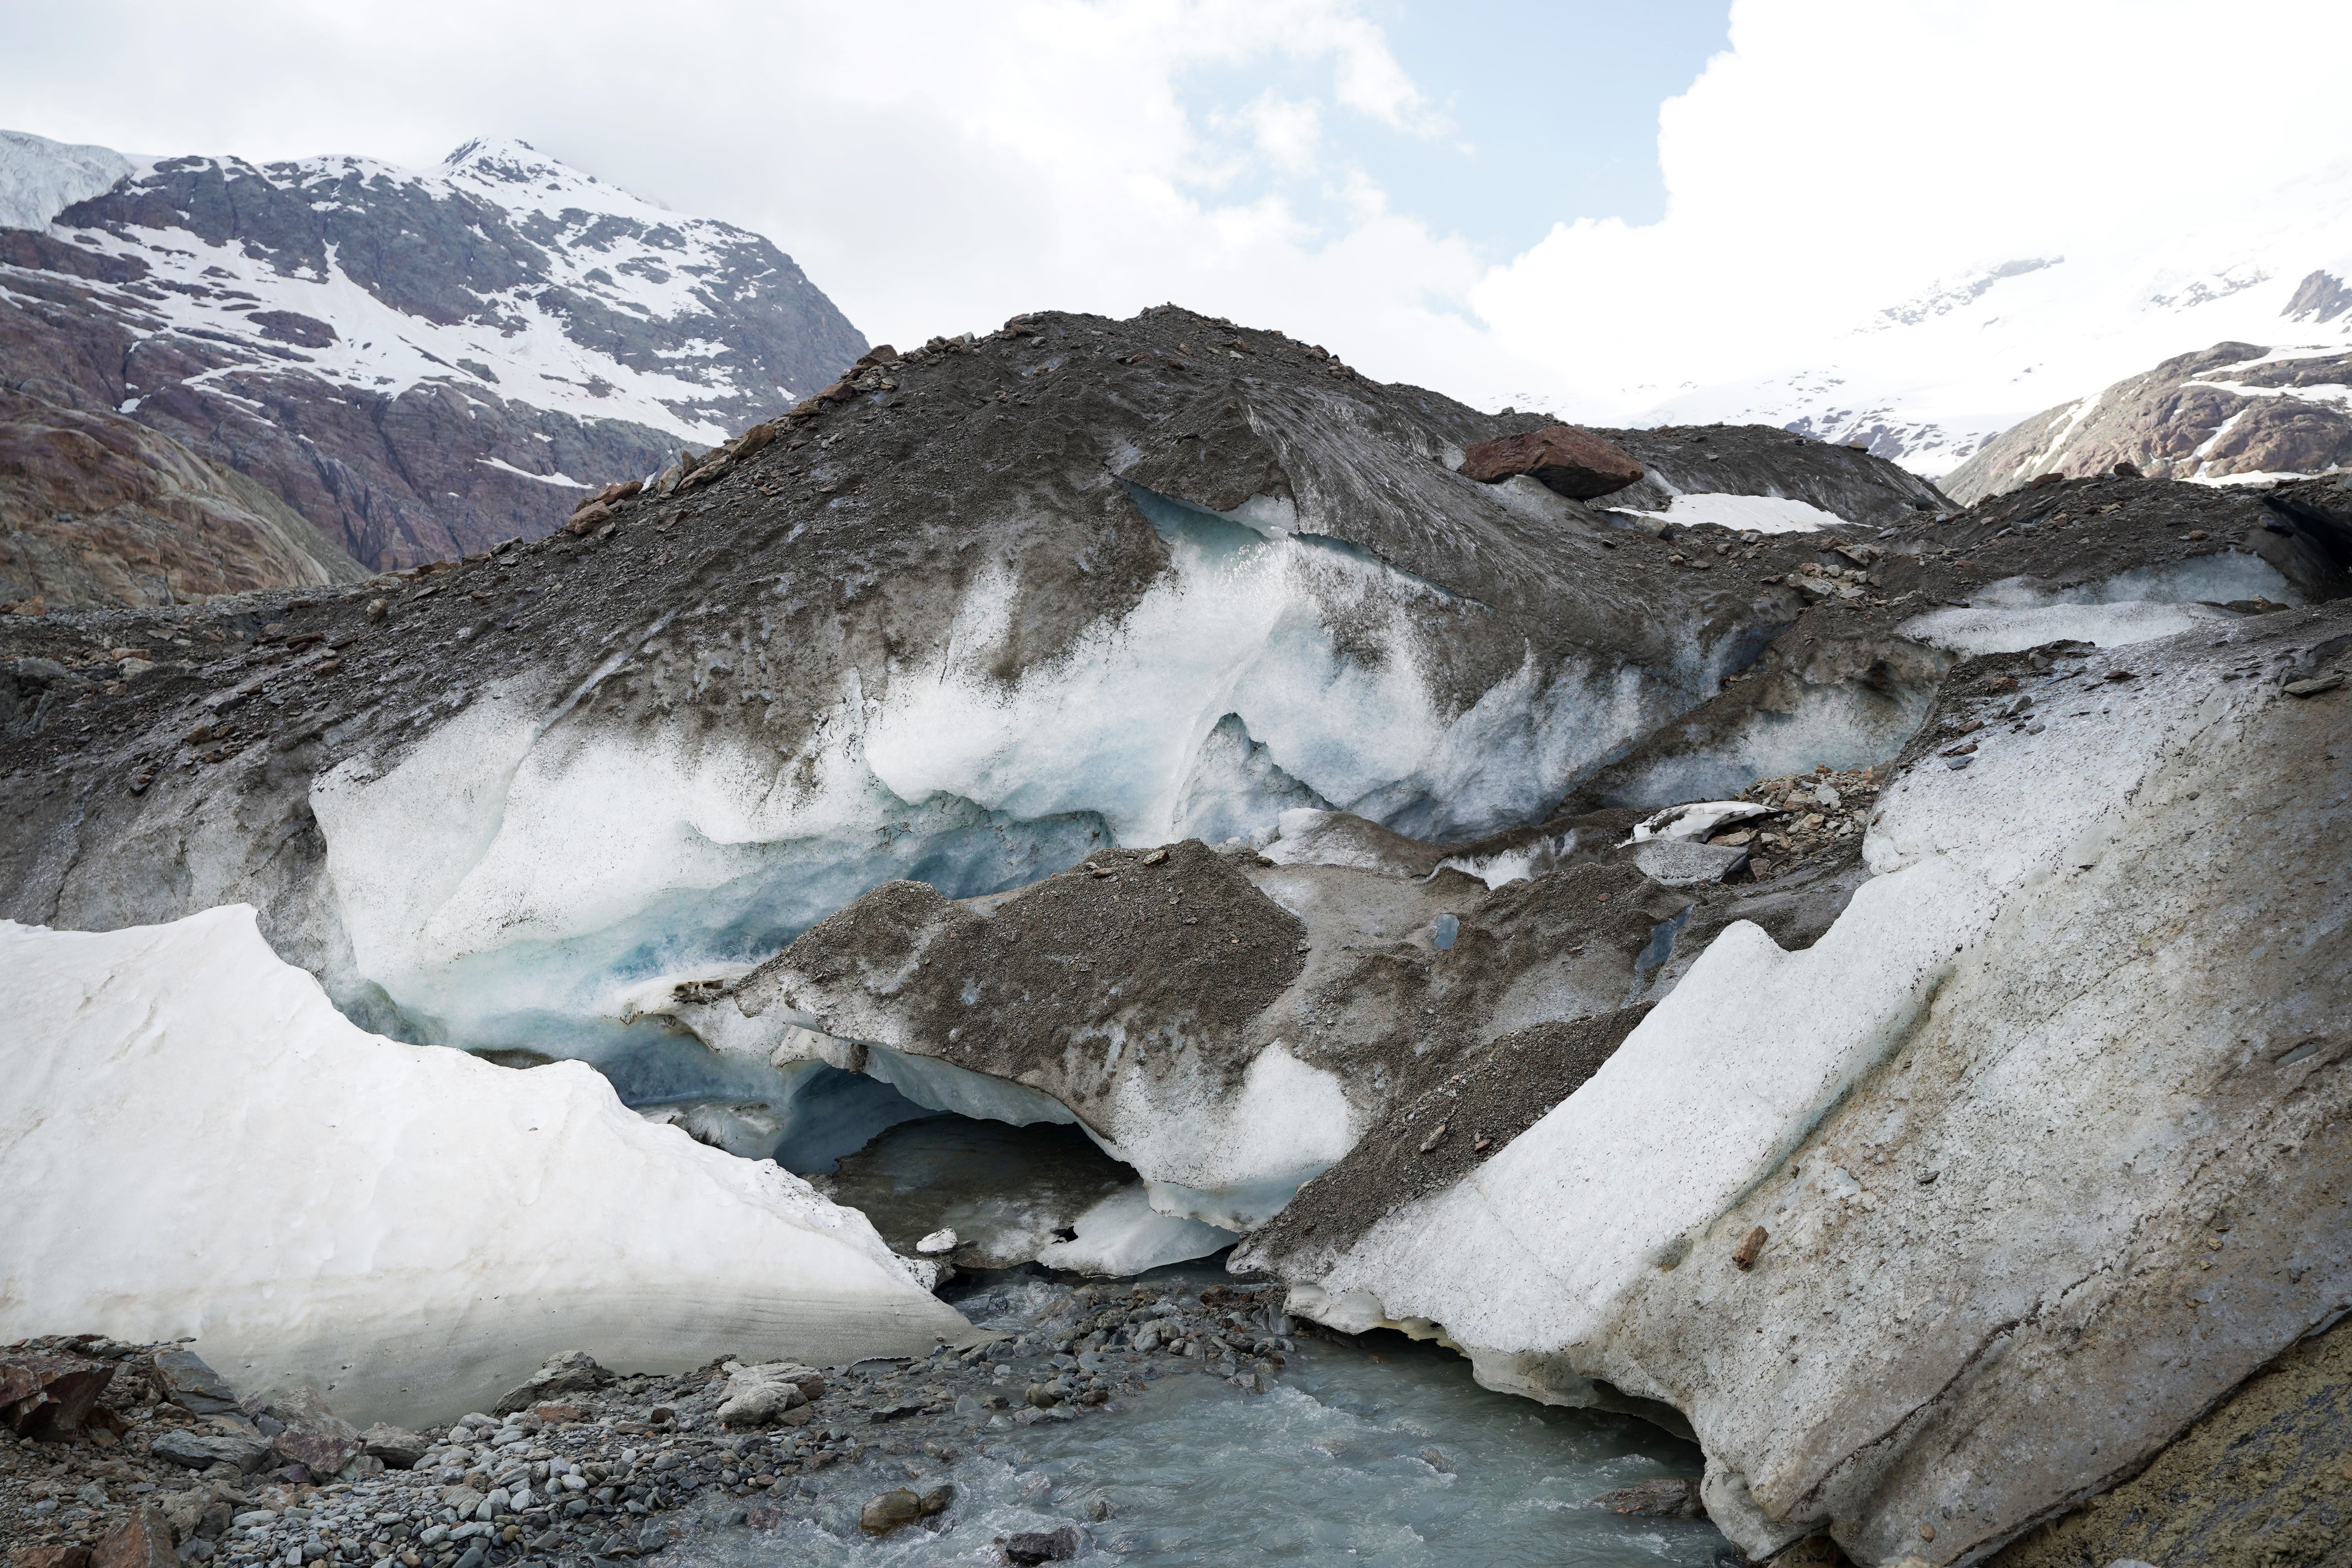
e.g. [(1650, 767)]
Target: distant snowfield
[(1928, 381)]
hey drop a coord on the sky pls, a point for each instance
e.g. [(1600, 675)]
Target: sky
[(1591, 206)]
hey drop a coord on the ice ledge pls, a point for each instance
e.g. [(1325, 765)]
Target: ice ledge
[(40, 178)]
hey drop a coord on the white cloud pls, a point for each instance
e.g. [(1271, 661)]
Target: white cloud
[(937, 167), (1286, 130), (1843, 153)]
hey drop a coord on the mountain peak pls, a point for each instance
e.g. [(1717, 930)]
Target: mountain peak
[(506, 158)]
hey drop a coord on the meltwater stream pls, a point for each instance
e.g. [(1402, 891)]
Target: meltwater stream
[(1370, 1450)]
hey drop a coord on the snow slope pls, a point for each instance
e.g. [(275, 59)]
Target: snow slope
[(199, 1144)]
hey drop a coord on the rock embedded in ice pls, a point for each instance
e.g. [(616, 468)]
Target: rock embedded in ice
[(457, 1221), (1681, 863)]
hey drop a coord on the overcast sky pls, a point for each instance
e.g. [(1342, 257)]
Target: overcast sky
[(1588, 203)]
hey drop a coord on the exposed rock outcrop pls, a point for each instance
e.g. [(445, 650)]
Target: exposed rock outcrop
[(97, 508), (1577, 463), (2235, 410)]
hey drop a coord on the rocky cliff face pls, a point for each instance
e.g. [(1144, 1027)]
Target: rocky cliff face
[(2235, 411), (97, 508), (421, 364)]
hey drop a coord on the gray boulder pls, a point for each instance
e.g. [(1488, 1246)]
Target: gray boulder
[(397, 1447), (573, 1371), (201, 1450)]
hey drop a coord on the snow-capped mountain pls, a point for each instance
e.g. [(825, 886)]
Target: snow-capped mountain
[(1932, 379), (422, 362)]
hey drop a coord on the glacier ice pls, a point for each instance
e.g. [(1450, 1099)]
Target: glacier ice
[(40, 178), (1125, 1235), (198, 1143), (1890, 1217), (526, 872), (2137, 605)]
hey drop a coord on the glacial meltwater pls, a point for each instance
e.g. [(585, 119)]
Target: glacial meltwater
[(1375, 1449)]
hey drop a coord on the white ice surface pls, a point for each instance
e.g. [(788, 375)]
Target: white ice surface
[(2139, 606), (197, 1143), (1976, 632), (1231, 1158), (1124, 1235), (1761, 514), (40, 178)]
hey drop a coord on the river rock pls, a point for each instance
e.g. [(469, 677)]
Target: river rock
[(188, 1382), (141, 1541), (1036, 1546), (72, 1555), (397, 1446), (883, 1514), (1674, 1498), (563, 1373)]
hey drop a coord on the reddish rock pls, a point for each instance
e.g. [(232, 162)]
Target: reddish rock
[(560, 1414), (322, 1447), (141, 1541), (49, 1557), (49, 1397), (1576, 463), (587, 518)]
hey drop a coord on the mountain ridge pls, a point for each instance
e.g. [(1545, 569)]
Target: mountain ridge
[(421, 363)]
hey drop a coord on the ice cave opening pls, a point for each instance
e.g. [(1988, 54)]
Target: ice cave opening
[(922, 1148)]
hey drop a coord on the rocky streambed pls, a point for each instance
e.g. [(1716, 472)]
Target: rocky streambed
[(1161, 1420)]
